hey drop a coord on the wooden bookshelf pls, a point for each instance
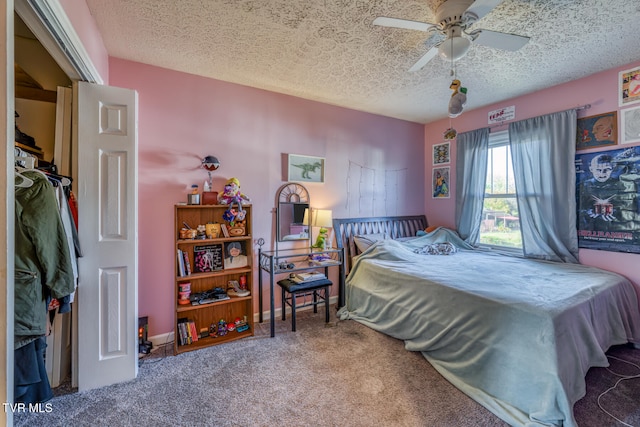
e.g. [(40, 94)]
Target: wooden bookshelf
[(210, 313)]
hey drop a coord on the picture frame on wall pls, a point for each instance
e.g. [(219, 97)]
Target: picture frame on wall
[(629, 87), (301, 168), (630, 125), (606, 199), (597, 131), (441, 154), (440, 183)]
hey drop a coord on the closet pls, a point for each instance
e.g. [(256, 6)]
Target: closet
[(103, 163), (43, 121)]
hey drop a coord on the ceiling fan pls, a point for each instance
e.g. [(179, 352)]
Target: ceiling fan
[(454, 17)]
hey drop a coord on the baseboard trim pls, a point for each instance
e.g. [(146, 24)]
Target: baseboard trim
[(160, 340), (278, 311)]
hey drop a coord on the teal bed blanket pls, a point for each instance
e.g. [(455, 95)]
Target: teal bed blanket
[(516, 335)]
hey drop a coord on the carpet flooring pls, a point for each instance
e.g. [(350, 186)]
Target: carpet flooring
[(336, 374)]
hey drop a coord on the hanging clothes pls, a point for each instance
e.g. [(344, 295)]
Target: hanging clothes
[(43, 270), (70, 233)]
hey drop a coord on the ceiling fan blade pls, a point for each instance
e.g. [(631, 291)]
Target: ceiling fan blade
[(431, 53), (384, 21), (502, 41), (481, 7)]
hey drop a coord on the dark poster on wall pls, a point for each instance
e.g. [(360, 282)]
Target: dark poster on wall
[(607, 193)]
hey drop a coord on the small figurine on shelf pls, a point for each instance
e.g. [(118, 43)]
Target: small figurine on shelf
[(201, 232), (321, 241), (222, 328), (213, 330), (241, 325)]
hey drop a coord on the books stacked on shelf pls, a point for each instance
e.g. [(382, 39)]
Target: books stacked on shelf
[(184, 266), (187, 330), (308, 276)]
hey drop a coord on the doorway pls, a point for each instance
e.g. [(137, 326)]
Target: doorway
[(42, 90), (111, 345)]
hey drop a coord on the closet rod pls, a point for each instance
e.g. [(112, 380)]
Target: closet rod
[(581, 107)]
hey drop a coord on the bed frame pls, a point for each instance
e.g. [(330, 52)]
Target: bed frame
[(394, 226)]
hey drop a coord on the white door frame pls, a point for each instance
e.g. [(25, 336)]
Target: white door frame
[(48, 21), (7, 220)]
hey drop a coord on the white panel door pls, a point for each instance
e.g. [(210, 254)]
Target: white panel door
[(107, 196)]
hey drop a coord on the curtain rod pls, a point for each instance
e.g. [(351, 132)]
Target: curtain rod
[(581, 107)]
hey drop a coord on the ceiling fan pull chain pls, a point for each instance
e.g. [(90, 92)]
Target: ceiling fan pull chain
[(453, 63)]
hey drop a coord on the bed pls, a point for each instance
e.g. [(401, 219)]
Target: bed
[(516, 335)]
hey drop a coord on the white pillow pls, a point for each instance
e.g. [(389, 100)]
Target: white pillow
[(364, 241)]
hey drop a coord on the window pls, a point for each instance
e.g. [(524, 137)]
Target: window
[(500, 224)]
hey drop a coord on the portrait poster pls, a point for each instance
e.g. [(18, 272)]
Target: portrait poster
[(608, 210), (630, 125), (597, 131), (440, 183), (441, 153), (629, 87), (235, 255)]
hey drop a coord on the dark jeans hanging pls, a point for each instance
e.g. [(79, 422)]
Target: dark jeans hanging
[(31, 384)]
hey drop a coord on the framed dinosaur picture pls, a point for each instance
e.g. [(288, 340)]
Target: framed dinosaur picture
[(305, 168)]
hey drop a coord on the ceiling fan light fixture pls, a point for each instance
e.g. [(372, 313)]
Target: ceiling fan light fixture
[(454, 48)]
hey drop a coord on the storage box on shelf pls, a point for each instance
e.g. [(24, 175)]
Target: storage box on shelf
[(204, 272)]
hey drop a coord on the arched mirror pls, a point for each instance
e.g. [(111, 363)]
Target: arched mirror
[(291, 202)]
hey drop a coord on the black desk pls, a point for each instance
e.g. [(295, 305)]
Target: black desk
[(286, 261)]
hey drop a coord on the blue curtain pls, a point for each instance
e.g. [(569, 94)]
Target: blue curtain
[(543, 153), (472, 150)]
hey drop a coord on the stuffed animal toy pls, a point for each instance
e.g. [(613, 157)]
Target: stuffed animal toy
[(230, 196), (458, 99)]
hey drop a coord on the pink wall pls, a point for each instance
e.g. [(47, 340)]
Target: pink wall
[(374, 164), (598, 90), (87, 30)]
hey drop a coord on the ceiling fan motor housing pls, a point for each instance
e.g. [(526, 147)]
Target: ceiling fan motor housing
[(452, 12)]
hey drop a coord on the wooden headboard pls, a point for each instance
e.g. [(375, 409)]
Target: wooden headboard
[(394, 226)]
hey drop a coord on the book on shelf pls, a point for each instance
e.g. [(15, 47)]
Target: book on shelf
[(187, 264), (193, 331), (181, 271), (308, 276), (207, 258), (182, 331)]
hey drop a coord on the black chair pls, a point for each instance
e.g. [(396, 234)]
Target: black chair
[(319, 289)]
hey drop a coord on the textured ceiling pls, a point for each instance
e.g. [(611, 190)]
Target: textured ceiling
[(329, 51)]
